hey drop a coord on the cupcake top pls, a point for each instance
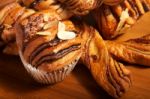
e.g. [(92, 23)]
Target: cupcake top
[(47, 43)]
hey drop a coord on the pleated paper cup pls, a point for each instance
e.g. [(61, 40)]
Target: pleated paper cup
[(45, 77)]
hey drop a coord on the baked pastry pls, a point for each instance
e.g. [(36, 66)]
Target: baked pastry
[(80, 7), (112, 2), (48, 54), (133, 51), (8, 17), (110, 74), (47, 4), (65, 8), (111, 20), (48, 48)]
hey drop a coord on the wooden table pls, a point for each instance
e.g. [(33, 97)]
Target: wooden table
[(16, 83)]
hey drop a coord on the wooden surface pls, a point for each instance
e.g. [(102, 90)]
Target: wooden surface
[(16, 83)]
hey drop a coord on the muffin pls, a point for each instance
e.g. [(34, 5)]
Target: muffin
[(48, 48)]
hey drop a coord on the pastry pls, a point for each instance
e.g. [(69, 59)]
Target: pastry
[(50, 45), (8, 16), (110, 74), (49, 55), (65, 8), (48, 48), (112, 20), (133, 51), (47, 4), (112, 2)]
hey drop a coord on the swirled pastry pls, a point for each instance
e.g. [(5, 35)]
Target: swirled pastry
[(111, 20), (49, 48), (8, 17), (112, 2), (66, 8), (133, 51), (110, 74)]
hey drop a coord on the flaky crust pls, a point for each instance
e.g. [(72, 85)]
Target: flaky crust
[(113, 20), (110, 74), (133, 51)]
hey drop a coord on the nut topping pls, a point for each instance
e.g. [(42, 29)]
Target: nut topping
[(46, 17), (64, 35), (50, 24), (124, 16), (43, 33)]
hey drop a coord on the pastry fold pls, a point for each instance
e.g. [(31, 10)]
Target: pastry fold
[(9, 15), (113, 20), (65, 8), (133, 51), (110, 74), (42, 44)]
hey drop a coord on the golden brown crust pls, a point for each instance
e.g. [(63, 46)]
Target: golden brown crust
[(112, 2), (110, 74), (134, 51), (37, 37), (123, 16)]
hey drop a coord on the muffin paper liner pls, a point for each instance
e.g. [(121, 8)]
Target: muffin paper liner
[(48, 77)]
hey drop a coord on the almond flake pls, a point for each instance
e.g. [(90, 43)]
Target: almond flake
[(46, 17), (124, 16), (61, 26), (7, 25), (65, 35), (44, 33), (41, 25), (50, 24)]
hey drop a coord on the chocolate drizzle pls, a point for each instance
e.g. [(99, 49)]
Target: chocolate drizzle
[(145, 6), (42, 47), (55, 56)]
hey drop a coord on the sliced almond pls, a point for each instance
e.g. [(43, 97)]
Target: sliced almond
[(61, 26), (44, 33), (7, 25), (42, 25), (46, 17), (65, 35), (124, 16), (50, 24)]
